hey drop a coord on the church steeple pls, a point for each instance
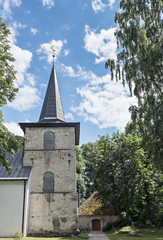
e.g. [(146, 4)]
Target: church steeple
[(52, 110)]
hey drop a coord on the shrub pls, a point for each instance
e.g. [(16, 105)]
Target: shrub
[(107, 227)]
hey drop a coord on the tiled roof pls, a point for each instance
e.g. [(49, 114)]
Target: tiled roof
[(19, 172), (52, 109), (94, 206)]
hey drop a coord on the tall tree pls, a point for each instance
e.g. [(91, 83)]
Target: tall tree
[(80, 162), (89, 153), (126, 178), (8, 141), (139, 64)]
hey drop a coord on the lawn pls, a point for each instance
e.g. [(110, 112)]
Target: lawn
[(81, 236), (140, 234)]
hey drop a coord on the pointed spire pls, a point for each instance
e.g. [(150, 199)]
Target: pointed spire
[(52, 109)]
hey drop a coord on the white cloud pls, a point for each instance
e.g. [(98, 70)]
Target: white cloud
[(67, 70), (7, 6), (103, 102), (22, 63), (99, 6), (66, 52), (69, 116), (81, 74), (34, 31), (14, 128), (30, 79), (16, 3), (45, 49), (105, 106), (111, 2), (14, 31), (22, 57), (26, 99), (28, 95), (48, 3), (43, 85), (102, 44)]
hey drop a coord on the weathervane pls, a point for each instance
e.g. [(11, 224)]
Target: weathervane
[(53, 49)]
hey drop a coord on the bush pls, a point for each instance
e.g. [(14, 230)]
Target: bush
[(107, 227), (124, 222)]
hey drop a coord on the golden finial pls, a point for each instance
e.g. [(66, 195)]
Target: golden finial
[(53, 49)]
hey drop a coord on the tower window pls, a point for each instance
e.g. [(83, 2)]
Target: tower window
[(49, 140), (48, 182)]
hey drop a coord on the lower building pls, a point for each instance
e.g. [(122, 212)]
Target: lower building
[(93, 216)]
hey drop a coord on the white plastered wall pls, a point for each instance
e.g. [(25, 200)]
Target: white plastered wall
[(11, 207), (27, 203)]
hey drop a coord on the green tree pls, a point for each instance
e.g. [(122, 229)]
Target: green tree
[(8, 141), (89, 153), (126, 178), (139, 64), (80, 162)]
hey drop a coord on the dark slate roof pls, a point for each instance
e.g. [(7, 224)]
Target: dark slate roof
[(52, 109), (19, 172)]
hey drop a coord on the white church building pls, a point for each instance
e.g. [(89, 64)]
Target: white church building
[(40, 197)]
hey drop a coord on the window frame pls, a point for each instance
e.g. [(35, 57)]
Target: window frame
[(47, 180), (52, 146)]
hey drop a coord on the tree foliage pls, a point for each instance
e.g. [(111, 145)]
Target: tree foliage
[(89, 154), (121, 171), (86, 168), (126, 178), (8, 141), (7, 72), (80, 162), (139, 64)]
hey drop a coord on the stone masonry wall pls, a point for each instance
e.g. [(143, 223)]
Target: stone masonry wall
[(65, 137), (52, 213), (85, 222)]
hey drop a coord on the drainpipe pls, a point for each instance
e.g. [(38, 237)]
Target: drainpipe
[(23, 207)]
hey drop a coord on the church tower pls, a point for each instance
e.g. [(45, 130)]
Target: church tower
[(50, 151)]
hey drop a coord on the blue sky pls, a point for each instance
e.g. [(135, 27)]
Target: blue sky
[(82, 32)]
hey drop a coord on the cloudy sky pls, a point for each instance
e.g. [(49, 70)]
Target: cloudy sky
[(82, 32)]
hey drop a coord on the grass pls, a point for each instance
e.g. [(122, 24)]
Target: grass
[(81, 236), (128, 233)]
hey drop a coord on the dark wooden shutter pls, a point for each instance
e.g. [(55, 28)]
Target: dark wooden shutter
[(49, 140), (48, 182)]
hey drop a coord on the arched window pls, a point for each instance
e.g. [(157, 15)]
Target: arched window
[(48, 182), (49, 140)]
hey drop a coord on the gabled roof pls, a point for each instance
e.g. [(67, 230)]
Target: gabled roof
[(52, 109), (19, 172), (94, 206)]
